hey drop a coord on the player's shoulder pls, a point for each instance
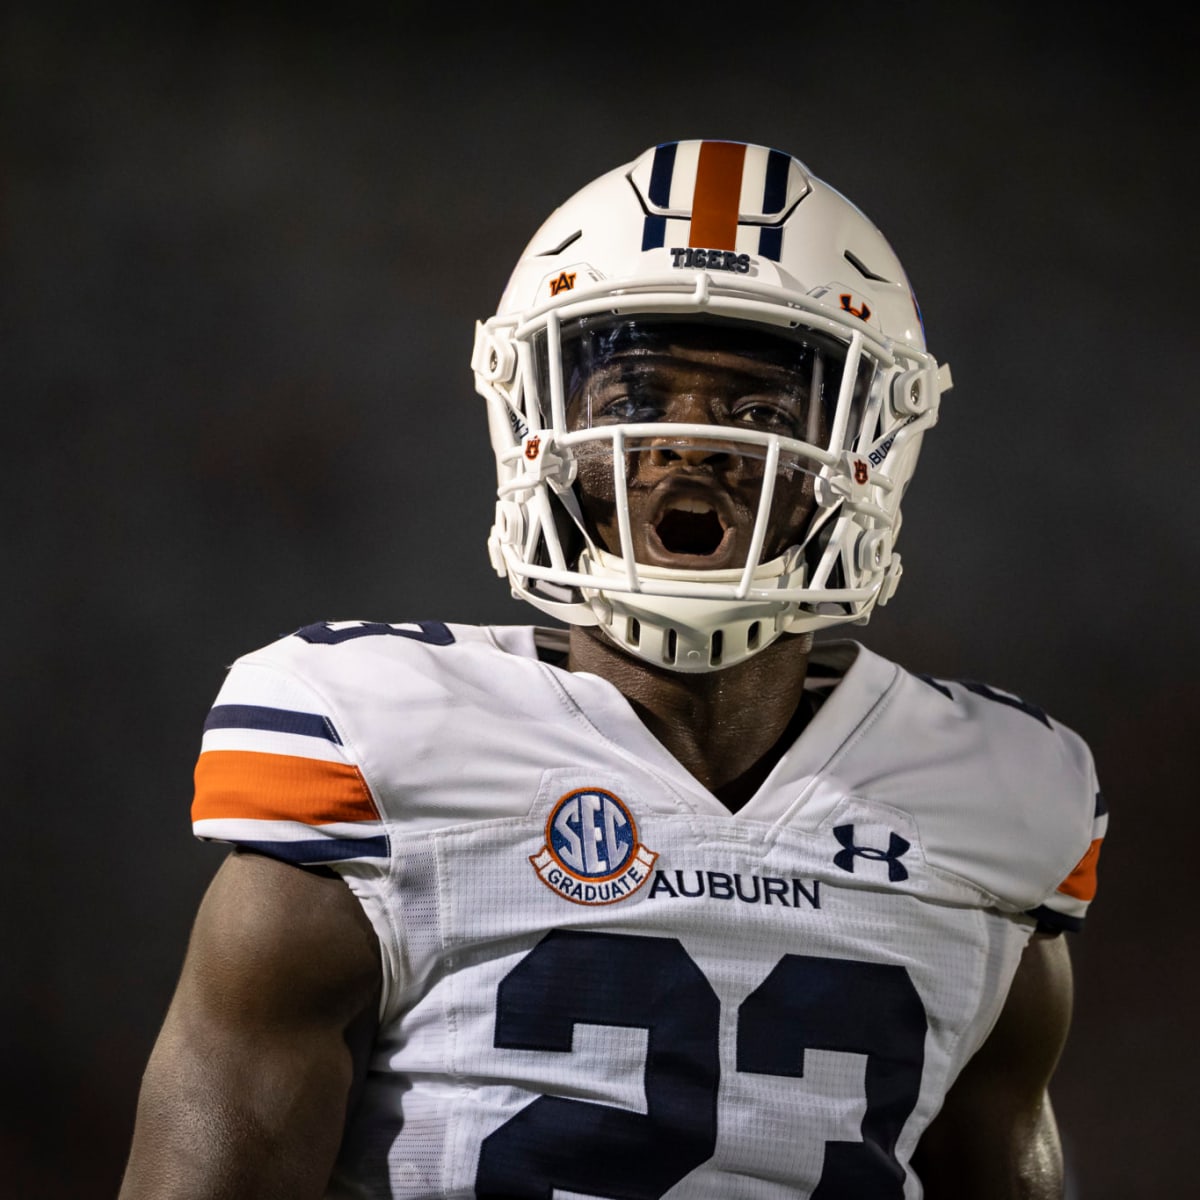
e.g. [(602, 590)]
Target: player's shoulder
[(392, 654), (380, 670), (1001, 790), (1001, 722), (950, 719)]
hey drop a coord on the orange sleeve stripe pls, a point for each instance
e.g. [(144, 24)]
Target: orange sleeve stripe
[(250, 785), (1081, 883), (717, 196)]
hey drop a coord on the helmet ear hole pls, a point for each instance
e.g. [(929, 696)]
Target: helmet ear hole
[(911, 393), (495, 357), (873, 550)]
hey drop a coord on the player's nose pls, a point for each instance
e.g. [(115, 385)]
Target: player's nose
[(666, 451), (691, 408)]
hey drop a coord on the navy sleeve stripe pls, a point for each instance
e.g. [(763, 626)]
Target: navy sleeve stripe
[(321, 850), (1048, 919), (275, 720), (1101, 805)]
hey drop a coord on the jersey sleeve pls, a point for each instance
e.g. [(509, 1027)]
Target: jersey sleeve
[(1067, 907), (276, 775)]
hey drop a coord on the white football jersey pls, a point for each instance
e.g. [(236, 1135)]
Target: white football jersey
[(598, 982)]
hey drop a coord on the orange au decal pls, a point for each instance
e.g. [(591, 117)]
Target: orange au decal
[(592, 854), (860, 471), (531, 448), (564, 283), (863, 314)]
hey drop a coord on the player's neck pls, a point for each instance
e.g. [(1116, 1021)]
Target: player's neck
[(728, 727)]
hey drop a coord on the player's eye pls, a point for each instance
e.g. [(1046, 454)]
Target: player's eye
[(626, 406), (771, 416)]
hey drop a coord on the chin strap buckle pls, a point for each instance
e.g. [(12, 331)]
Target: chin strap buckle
[(543, 462), (849, 480)]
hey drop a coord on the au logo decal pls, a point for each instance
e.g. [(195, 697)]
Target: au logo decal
[(592, 854), (564, 283)]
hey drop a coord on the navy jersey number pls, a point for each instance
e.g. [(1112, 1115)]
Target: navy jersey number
[(652, 983), (648, 983), (809, 1003), (432, 633)]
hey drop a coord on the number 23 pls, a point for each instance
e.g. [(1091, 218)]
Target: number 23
[(805, 1003)]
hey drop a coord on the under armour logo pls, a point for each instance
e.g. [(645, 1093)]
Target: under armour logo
[(863, 313), (897, 847)]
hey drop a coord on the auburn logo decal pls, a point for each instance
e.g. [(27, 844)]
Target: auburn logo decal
[(564, 283)]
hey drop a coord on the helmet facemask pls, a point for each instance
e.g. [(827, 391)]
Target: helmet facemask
[(700, 452)]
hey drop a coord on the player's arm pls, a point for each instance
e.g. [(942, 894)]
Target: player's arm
[(247, 1090), (996, 1137)]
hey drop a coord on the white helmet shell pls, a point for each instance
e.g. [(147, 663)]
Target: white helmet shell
[(734, 233)]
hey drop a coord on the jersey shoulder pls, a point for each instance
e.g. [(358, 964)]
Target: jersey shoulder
[(1004, 794), (304, 729)]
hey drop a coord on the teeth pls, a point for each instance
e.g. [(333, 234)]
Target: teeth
[(693, 506)]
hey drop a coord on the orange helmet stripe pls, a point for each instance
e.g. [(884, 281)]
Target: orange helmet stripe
[(717, 195)]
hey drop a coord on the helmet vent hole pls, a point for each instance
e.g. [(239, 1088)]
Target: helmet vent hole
[(574, 237), (718, 644), (752, 635), (633, 634), (672, 646), (862, 268)]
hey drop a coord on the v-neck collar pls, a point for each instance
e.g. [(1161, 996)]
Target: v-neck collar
[(854, 679)]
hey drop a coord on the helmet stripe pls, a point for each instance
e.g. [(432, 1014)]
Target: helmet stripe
[(775, 183), (661, 174), (770, 242), (717, 195), (654, 232)]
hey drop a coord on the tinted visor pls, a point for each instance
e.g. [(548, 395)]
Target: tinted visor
[(698, 371)]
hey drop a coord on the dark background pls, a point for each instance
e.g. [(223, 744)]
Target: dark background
[(243, 252)]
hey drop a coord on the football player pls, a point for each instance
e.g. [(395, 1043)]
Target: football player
[(663, 899)]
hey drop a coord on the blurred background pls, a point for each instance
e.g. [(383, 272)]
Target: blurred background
[(244, 247)]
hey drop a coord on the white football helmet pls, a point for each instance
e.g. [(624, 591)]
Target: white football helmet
[(694, 245)]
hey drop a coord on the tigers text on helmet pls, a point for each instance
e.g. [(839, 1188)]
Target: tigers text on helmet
[(707, 386)]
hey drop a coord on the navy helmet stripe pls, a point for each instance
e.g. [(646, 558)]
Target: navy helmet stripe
[(661, 174), (770, 241), (274, 720), (775, 184), (654, 232)]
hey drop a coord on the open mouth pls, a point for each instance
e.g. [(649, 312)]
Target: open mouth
[(692, 527)]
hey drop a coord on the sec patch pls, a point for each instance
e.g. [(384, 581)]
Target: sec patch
[(592, 854)]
